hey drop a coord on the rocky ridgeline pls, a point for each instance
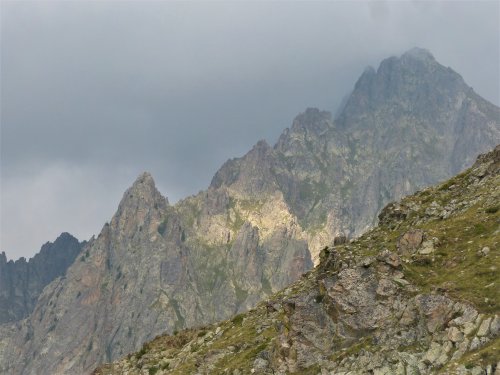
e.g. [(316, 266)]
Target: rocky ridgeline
[(418, 294), (147, 273), (21, 281), (405, 126), (262, 222)]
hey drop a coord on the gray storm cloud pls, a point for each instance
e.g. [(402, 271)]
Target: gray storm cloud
[(92, 93)]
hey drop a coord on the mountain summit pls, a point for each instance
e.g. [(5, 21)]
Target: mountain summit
[(408, 124), (141, 208), (419, 53)]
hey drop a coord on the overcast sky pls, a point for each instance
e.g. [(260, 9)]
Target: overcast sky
[(93, 93)]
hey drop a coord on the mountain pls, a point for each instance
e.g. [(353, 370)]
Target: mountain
[(144, 275), (415, 295), (21, 282), (407, 125), (261, 223)]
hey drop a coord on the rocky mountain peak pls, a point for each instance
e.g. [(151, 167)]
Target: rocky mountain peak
[(307, 129), (143, 189), (260, 149), (414, 83), (416, 59), (140, 203), (62, 241), (144, 182), (22, 281), (312, 120), (418, 53), (250, 174)]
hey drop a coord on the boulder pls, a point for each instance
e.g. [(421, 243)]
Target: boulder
[(410, 241), (389, 258)]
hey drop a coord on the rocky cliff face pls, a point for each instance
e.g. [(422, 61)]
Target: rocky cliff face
[(415, 295), (21, 282), (159, 268)]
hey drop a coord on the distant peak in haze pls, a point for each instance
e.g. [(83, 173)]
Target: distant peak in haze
[(22, 281), (61, 241), (312, 119), (414, 82), (393, 63), (261, 145), (416, 60), (419, 53)]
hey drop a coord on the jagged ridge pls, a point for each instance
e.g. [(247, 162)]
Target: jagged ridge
[(158, 268), (21, 281)]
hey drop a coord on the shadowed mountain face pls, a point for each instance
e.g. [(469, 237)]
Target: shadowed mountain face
[(21, 282), (260, 224)]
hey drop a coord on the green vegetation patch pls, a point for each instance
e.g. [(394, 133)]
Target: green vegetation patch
[(492, 209), (457, 266), (162, 228)]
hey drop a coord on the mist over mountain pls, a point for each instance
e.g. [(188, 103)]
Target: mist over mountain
[(157, 267)]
